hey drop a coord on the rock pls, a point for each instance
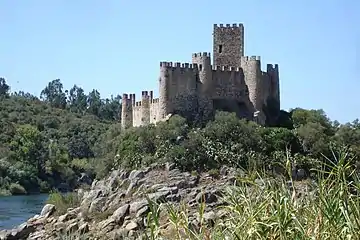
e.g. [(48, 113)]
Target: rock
[(209, 197), (136, 174), (47, 210), (106, 225), (84, 228), (121, 233), (21, 232), (97, 204), (209, 216), (4, 234), (131, 226), (116, 207), (142, 211), (84, 179), (120, 213), (60, 226), (37, 235), (169, 166), (130, 188), (136, 206), (159, 196), (72, 227)]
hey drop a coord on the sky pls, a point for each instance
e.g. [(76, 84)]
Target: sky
[(115, 46)]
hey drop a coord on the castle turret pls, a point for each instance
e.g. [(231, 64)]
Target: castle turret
[(145, 108), (203, 62), (253, 75), (127, 111), (273, 73), (164, 90)]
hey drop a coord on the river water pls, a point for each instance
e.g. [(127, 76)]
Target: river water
[(14, 210)]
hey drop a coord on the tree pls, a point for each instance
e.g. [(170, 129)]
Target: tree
[(111, 108), (94, 102), (4, 88), (27, 147), (77, 100), (53, 94)]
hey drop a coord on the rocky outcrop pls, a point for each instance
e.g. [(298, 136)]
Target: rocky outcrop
[(117, 207)]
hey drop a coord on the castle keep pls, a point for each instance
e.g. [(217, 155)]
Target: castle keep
[(195, 90)]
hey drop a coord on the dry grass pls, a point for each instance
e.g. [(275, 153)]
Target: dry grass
[(275, 210)]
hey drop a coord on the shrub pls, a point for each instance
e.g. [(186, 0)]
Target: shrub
[(63, 201), (16, 189)]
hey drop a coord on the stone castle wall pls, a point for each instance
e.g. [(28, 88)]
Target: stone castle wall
[(234, 83), (228, 44)]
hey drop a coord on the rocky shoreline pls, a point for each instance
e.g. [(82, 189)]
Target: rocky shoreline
[(117, 207)]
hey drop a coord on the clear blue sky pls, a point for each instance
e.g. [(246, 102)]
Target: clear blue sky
[(115, 46)]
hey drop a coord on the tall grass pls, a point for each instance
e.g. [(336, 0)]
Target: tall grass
[(276, 209), (63, 201)]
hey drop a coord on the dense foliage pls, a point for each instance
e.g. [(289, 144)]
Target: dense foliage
[(47, 143), (51, 141)]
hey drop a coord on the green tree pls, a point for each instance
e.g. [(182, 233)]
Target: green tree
[(94, 103), (53, 94), (4, 88), (27, 147), (77, 99)]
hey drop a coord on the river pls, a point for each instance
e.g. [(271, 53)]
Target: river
[(14, 210)]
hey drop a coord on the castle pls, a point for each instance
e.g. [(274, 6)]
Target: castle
[(233, 82)]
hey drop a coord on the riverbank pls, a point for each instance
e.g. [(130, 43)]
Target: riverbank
[(162, 202), (14, 210), (129, 204)]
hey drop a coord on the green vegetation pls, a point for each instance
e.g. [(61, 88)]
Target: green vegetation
[(48, 142), (272, 210), (63, 201)]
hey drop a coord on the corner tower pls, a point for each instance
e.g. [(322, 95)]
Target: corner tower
[(228, 45)]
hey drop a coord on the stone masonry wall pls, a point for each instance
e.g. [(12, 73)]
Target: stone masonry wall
[(253, 79), (180, 86), (229, 83), (137, 114), (231, 41), (127, 111), (154, 111)]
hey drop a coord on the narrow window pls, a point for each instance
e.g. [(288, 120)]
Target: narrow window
[(220, 48)]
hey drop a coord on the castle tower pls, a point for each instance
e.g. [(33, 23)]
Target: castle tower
[(273, 72), (228, 45), (203, 62), (253, 76), (127, 111), (145, 108), (164, 90)]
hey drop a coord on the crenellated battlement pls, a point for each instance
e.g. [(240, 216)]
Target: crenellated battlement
[(128, 97), (251, 58), (226, 69), (201, 54), (155, 100), (229, 26), (178, 65), (125, 97), (272, 67)]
